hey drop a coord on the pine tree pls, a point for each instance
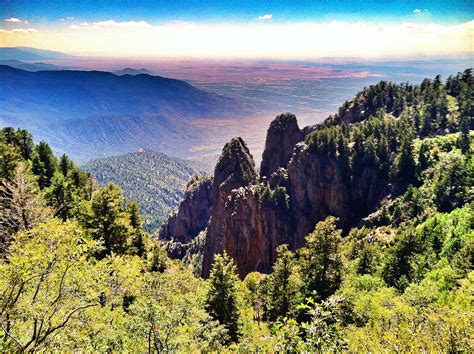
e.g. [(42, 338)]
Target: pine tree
[(464, 141), (221, 301), (404, 172), (44, 164), (137, 245), (281, 287), (321, 260), (64, 164), (108, 220)]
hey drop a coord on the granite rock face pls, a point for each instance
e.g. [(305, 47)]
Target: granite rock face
[(317, 189), (256, 220), (190, 219), (235, 169), (282, 136)]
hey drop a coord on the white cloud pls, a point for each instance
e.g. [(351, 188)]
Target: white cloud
[(255, 39), (20, 30), (265, 17), (13, 20), (111, 24), (417, 11)]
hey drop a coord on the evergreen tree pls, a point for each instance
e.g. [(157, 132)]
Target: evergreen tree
[(221, 301), (404, 172), (64, 164), (281, 286), (137, 243), (107, 219), (321, 261), (44, 164), (465, 138)]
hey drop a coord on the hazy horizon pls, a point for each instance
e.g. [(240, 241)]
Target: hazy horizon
[(271, 30)]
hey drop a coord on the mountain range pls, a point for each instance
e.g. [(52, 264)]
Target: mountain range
[(132, 71), (28, 54), (90, 114)]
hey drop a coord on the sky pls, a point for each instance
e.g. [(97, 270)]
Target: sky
[(241, 29)]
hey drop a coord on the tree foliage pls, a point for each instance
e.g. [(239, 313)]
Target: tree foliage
[(222, 296)]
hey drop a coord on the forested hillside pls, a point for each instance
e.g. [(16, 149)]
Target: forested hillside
[(155, 180), (360, 240)]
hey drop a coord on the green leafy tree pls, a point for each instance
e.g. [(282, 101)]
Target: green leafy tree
[(253, 295), (222, 296), (46, 287)]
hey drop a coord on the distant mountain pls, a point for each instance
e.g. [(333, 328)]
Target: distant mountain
[(68, 94), (18, 54), (155, 180), (28, 54), (132, 71), (89, 114), (49, 54), (35, 66)]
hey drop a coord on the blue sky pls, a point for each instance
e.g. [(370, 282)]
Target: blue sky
[(159, 11)]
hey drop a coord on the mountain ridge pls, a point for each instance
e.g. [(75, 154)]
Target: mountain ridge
[(155, 180)]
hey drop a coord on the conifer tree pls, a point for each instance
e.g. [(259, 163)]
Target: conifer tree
[(107, 219), (221, 301), (44, 164), (464, 139), (321, 259), (281, 287), (404, 172)]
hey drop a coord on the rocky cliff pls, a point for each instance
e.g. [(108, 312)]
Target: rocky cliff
[(282, 136), (299, 186), (317, 189), (248, 219), (235, 168), (190, 219)]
